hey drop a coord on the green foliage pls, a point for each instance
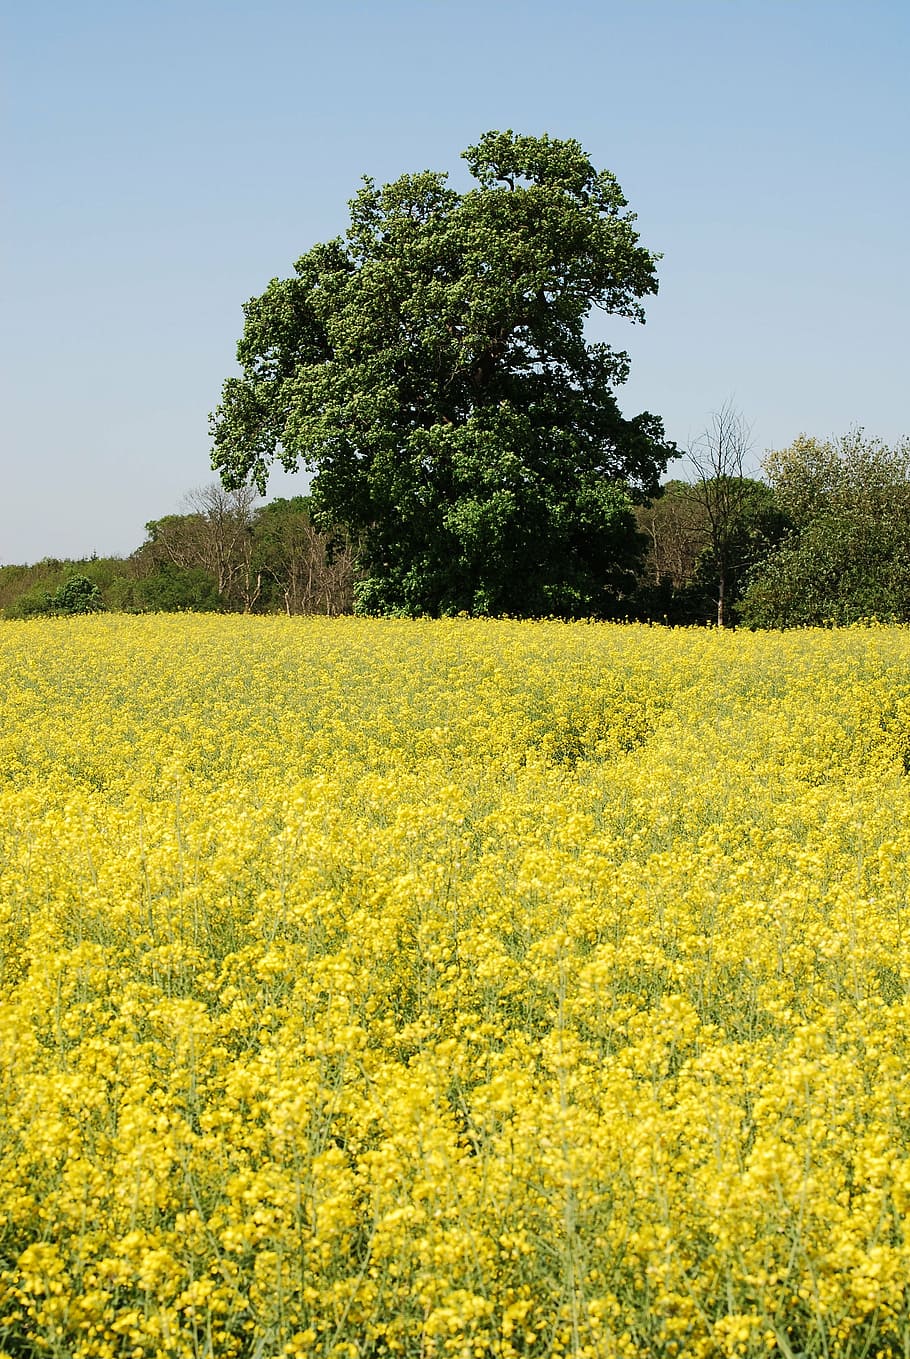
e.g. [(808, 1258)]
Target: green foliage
[(24, 589), (77, 594), (224, 556), (432, 369), (49, 587), (682, 568), (31, 603), (175, 589), (112, 583), (847, 555)]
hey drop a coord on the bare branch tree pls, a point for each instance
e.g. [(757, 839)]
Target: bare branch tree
[(721, 489), (216, 534), (314, 571), (225, 539)]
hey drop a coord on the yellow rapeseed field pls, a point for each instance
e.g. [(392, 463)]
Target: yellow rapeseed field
[(452, 988)]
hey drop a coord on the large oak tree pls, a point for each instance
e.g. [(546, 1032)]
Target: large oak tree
[(432, 369)]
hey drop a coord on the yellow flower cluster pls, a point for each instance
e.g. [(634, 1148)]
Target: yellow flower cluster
[(375, 988)]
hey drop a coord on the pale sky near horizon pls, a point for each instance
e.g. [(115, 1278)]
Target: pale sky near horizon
[(164, 161)]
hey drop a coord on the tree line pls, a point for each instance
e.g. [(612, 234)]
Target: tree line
[(433, 369), (822, 538), (223, 553)]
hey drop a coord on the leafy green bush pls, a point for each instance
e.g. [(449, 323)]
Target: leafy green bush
[(78, 594), (847, 554)]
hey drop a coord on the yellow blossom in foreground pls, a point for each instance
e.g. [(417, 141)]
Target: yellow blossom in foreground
[(453, 989)]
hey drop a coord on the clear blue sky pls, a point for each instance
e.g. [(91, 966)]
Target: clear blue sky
[(164, 161)]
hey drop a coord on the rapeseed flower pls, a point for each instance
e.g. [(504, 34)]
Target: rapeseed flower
[(378, 987)]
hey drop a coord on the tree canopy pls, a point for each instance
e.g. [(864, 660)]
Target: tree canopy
[(432, 369), (847, 554)]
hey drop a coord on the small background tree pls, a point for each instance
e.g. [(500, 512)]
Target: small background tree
[(214, 535), (721, 493), (706, 536)]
